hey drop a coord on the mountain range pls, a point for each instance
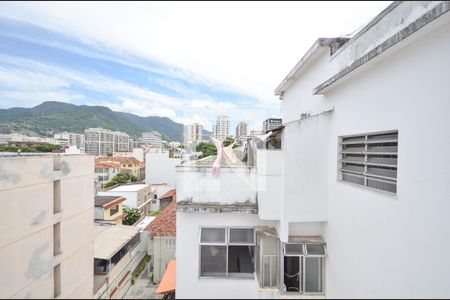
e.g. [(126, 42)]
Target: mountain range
[(51, 117)]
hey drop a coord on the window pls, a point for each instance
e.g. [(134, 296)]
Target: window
[(57, 281), (227, 252), (304, 267), (56, 197), (370, 160), (266, 261), (114, 210)]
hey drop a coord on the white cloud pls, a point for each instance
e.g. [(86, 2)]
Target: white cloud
[(242, 46)]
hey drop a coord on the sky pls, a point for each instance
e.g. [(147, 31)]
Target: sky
[(188, 61)]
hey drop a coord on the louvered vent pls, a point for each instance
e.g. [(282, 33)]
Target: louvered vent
[(370, 160)]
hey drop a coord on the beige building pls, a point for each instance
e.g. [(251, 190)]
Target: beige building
[(49, 202), (241, 132), (109, 208)]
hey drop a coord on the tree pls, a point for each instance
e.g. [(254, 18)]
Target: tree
[(228, 141), (207, 149), (120, 178), (133, 178), (133, 214)]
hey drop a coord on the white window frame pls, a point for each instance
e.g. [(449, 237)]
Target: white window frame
[(226, 244)]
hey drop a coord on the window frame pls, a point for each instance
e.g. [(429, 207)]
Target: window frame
[(366, 175), (302, 267), (226, 244)]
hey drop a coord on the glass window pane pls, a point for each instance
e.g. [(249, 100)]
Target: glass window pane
[(242, 236), (315, 249), (313, 274), (240, 261), (213, 235), (293, 249), (213, 261)]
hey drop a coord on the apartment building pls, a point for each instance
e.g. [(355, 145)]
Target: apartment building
[(354, 204), (222, 129), (271, 123), (69, 139), (193, 133), (152, 138), (42, 253), (115, 252), (121, 142), (99, 141), (241, 132)]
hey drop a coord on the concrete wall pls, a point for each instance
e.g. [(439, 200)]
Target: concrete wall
[(159, 168), (163, 252), (26, 231), (269, 169), (199, 185), (379, 244)]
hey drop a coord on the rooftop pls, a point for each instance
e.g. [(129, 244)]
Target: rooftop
[(170, 193), (130, 187), (122, 160), (108, 239), (101, 201), (168, 282), (166, 223)]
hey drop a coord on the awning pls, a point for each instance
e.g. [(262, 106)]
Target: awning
[(167, 283)]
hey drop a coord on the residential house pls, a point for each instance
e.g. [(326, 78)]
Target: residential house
[(128, 165), (109, 208), (106, 170), (42, 253), (354, 203), (137, 196), (161, 242), (167, 198)]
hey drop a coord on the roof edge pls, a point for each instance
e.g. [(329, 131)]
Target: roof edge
[(335, 43)]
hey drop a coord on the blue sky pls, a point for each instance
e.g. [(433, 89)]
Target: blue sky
[(186, 62)]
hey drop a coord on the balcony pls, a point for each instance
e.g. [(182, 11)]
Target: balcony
[(233, 189)]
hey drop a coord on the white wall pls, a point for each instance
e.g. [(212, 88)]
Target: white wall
[(159, 168), (230, 186), (270, 181), (379, 244), (131, 197), (187, 242)]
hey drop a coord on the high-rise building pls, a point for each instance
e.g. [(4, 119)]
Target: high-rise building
[(241, 132), (271, 123), (121, 142), (222, 127), (193, 133), (152, 138), (69, 139), (99, 141), (48, 203)]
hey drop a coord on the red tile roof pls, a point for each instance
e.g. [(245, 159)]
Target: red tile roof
[(168, 282), (106, 164), (166, 223), (122, 160), (171, 193)]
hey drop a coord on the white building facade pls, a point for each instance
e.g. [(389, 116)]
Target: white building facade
[(152, 138), (222, 129), (160, 168), (354, 204)]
